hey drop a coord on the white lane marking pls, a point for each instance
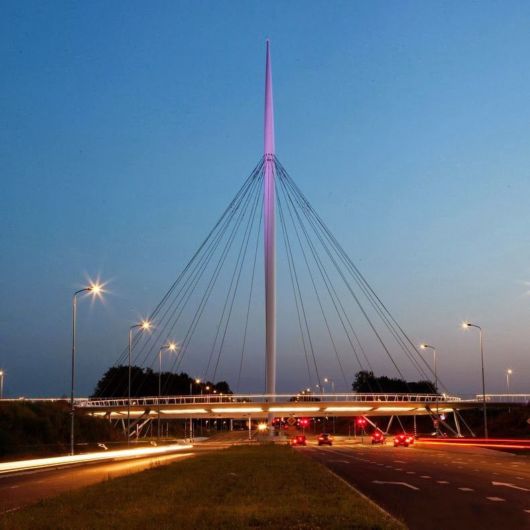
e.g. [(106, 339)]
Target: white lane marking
[(340, 461), (399, 461), (495, 499), (527, 511), (466, 489), (406, 484), (15, 486), (509, 485), (399, 469), (425, 476), (442, 481), (411, 472)]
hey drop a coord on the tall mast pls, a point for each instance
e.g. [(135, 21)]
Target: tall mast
[(269, 203)]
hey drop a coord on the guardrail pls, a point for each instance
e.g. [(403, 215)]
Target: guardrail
[(153, 401), (506, 398)]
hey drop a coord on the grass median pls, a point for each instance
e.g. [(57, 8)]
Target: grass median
[(266, 486)]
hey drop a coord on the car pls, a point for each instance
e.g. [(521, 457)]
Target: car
[(325, 439), (378, 438), (403, 439), (300, 439)]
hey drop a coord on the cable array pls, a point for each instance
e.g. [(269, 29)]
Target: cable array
[(333, 320)]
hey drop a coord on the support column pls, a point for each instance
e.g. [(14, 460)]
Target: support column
[(269, 205)]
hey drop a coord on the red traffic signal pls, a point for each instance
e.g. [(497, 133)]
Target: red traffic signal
[(361, 422)]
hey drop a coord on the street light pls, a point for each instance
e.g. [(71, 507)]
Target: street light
[(197, 381), (509, 372), (326, 380), (95, 289), (467, 325), (1, 384), (425, 347), (170, 346), (145, 325)]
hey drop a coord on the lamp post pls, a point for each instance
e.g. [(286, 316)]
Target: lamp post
[(95, 289), (466, 325), (327, 380), (1, 384), (509, 373), (197, 381), (429, 347), (170, 346), (145, 325)]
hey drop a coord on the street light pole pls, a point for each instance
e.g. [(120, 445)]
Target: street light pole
[(1, 384), (424, 347), (326, 380), (171, 346), (469, 325), (509, 372), (96, 290), (144, 325)]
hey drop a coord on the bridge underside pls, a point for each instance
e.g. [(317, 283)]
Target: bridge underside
[(244, 410)]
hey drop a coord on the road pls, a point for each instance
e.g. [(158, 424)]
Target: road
[(26, 488), (457, 488)]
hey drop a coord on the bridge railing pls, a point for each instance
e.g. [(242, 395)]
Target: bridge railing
[(505, 398), (153, 401)]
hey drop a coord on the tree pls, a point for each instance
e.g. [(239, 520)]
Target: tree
[(144, 382), (367, 382)]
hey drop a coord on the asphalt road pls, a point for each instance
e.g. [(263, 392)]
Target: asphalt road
[(27, 488), (456, 488)]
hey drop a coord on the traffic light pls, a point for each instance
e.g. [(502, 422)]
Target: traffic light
[(303, 422), (361, 422)]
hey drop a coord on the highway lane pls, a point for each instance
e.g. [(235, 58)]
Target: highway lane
[(463, 488), (26, 488)]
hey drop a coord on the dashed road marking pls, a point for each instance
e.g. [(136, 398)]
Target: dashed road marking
[(399, 461), (442, 481), (495, 499), (466, 489), (425, 476), (509, 485), (406, 484), (411, 472), (527, 511)]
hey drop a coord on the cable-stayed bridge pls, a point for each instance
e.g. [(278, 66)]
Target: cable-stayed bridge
[(310, 303)]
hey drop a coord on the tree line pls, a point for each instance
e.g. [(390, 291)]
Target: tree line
[(144, 382), (366, 381)]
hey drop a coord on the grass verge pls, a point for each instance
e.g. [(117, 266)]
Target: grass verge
[(267, 486)]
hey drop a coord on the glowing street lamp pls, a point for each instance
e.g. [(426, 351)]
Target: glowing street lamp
[(467, 325), (429, 347), (145, 325), (95, 289), (326, 380), (198, 382), (509, 372), (170, 346), (1, 384)]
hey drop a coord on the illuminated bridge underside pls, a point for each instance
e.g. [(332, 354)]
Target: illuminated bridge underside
[(259, 406)]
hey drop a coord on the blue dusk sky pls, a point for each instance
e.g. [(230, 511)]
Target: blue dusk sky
[(127, 127)]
